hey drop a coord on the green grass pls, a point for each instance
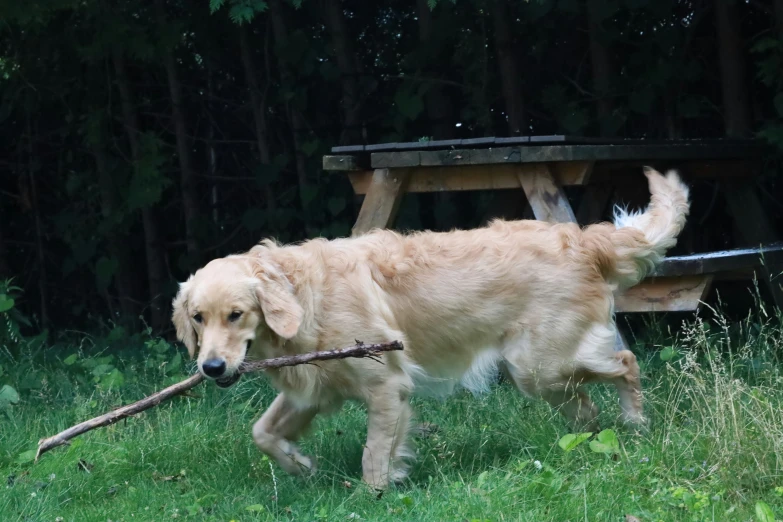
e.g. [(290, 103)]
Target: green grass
[(714, 450)]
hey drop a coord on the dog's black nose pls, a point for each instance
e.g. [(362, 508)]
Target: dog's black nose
[(214, 367)]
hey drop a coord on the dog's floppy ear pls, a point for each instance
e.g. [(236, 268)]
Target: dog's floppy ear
[(275, 293), (181, 318)]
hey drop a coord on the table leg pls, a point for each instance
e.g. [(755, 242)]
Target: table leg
[(382, 200)]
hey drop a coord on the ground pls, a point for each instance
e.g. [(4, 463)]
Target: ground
[(714, 393)]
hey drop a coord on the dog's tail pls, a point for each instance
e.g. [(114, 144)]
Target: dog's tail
[(628, 251)]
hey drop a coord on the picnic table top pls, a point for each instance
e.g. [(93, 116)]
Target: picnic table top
[(535, 149)]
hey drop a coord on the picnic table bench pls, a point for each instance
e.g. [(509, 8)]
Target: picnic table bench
[(542, 165)]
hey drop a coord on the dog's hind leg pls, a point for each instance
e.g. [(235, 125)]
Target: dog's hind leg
[(277, 430), (629, 387)]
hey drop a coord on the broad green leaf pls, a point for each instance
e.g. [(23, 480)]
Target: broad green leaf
[(113, 379), (405, 499), (105, 269), (336, 205), (174, 364), (256, 508), (668, 353), (6, 303), (764, 512), (102, 369), (254, 219), (68, 361), (25, 457), (605, 442), (570, 441), (8, 396)]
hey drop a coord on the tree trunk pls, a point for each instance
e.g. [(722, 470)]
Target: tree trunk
[(439, 108), (118, 247), (259, 110), (5, 270), (601, 68), (210, 150), (779, 14), (509, 69), (187, 175), (153, 248), (439, 111), (39, 233), (334, 20), (736, 107), (297, 125)]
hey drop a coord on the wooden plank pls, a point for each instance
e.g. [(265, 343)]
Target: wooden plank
[(572, 172), (599, 152), (462, 177), (347, 149), (393, 160), (545, 196), (721, 261), (382, 200), (438, 158), (345, 163), (664, 294)]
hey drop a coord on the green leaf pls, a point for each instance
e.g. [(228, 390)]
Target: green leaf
[(258, 508), (68, 361), (405, 499), (764, 512), (113, 379), (668, 353), (215, 5), (25, 457), (336, 205), (310, 147), (102, 369), (570, 441), (409, 104), (8, 396), (254, 219), (174, 364), (309, 193), (482, 479), (605, 442), (105, 269), (6, 303)]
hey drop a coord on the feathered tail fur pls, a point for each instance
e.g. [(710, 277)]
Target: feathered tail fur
[(638, 241)]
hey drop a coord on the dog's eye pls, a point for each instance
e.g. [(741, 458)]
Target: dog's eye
[(198, 318), (233, 316)]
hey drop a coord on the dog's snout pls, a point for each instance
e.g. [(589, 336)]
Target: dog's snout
[(214, 367)]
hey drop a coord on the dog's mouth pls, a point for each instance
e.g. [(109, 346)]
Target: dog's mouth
[(228, 382)]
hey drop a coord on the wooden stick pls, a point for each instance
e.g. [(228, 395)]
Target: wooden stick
[(360, 350)]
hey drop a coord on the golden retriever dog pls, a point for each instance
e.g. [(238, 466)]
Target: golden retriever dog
[(533, 296)]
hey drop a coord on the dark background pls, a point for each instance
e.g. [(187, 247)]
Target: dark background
[(138, 140)]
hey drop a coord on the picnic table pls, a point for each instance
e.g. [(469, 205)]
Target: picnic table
[(542, 165)]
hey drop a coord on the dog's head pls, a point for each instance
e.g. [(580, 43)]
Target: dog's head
[(229, 305)]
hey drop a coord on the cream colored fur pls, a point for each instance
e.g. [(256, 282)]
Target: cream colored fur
[(533, 295)]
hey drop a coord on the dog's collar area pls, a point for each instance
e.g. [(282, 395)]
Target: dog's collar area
[(228, 381)]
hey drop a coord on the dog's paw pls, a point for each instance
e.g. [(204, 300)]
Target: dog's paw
[(307, 465)]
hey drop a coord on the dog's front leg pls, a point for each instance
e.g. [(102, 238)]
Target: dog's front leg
[(389, 416), (277, 430)]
